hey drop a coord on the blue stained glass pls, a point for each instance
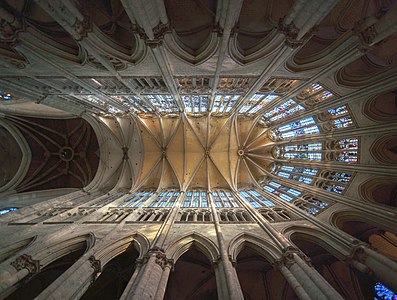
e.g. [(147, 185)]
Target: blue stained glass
[(7, 210), (5, 95), (383, 293)]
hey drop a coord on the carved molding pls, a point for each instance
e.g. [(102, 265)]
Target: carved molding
[(26, 262), (95, 264)]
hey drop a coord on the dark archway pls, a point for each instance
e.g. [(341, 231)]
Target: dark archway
[(258, 278), (380, 190), (380, 240), (114, 277), (193, 278)]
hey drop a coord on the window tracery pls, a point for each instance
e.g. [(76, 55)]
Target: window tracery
[(194, 215), (311, 205), (5, 96), (296, 129), (165, 199), (256, 102), (224, 199), (256, 199), (164, 103), (315, 93), (196, 199), (332, 181), (136, 200), (195, 104), (134, 104), (343, 150), (7, 210), (280, 112), (224, 103)]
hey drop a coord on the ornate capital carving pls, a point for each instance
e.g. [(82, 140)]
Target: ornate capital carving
[(26, 262), (366, 34), (95, 264), (163, 261), (159, 31), (359, 254), (10, 26)]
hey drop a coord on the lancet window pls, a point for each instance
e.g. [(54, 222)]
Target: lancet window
[(196, 199), (340, 117), (164, 103), (224, 199), (301, 174), (343, 150), (7, 210), (256, 102), (346, 150), (311, 205), (284, 110), (295, 129), (165, 199), (315, 93), (137, 199), (195, 104), (256, 199), (5, 95), (134, 103), (224, 103), (285, 193)]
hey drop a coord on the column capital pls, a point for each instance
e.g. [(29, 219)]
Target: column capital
[(95, 264), (26, 262)]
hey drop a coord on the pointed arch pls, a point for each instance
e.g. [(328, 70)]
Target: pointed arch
[(13, 248), (182, 245), (118, 245), (264, 248), (317, 236)]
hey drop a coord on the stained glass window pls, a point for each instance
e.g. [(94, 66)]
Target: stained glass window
[(165, 199), (341, 117), (136, 200), (164, 103), (256, 199), (303, 151), (347, 150), (284, 110), (5, 95), (195, 103), (133, 103), (298, 128), (195, 199), (300, 174), (256, 102), (285, 193), (384, 293), (224, 199), (224, 103), (7, 210), (316, 92)]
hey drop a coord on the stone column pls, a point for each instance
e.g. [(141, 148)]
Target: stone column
[(151, 280), (23, 266), (230, 288), (293, 282), (377, 264), (73, 283), (304, 279)]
